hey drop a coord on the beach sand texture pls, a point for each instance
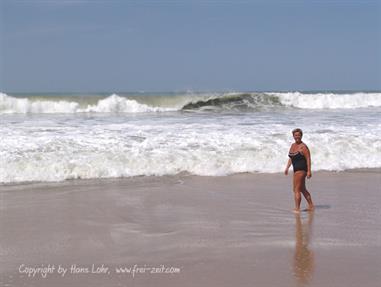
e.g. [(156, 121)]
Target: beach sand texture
[(234, 230)]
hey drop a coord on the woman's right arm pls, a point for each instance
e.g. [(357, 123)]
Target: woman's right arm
[(287, 167), (288, 163)]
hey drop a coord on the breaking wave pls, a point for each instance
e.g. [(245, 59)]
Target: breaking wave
[(186, 102)]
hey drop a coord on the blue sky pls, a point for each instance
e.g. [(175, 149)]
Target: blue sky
[(115, 46)]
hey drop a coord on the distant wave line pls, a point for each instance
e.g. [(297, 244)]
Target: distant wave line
[(186, 102)]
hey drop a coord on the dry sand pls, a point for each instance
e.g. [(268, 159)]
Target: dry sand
[(213, 231)]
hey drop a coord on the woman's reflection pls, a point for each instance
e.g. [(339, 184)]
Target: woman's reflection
[(303, 257)]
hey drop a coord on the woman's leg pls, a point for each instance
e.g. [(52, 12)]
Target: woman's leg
[(298, 175), (307, 195)]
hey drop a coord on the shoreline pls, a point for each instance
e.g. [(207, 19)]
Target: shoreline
[(218, 231), (179, 175)]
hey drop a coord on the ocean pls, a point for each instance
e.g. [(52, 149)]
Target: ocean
[(56, 137)]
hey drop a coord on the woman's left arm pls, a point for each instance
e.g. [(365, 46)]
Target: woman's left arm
[(308, 157)]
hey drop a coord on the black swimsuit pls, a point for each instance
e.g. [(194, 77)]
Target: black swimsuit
[(298, 160)]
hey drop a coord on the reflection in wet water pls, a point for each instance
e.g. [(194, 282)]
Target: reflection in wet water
[(303, 256)]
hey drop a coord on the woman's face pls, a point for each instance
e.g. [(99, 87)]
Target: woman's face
[(297, 137)]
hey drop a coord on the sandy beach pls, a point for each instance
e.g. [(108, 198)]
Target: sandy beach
[(192, 231)]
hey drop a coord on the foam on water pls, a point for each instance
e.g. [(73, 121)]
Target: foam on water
[(329, 100), (41, 150), (111, 104), (49, 139)]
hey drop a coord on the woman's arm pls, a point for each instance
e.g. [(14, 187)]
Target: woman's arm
[(289, 162), (287, 167), (308, 158)]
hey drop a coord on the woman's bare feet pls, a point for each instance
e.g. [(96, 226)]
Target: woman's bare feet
[(310, 208), (296, 210)]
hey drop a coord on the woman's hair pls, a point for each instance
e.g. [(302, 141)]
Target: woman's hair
[(297, 131)]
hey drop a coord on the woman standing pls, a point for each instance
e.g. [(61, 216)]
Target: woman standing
[(300, 159)]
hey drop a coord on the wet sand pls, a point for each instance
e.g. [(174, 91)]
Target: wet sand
[(202, 231)]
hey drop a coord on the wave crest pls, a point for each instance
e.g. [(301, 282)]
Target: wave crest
[(329, 100), (193, 102), (245, 101), (111, 104)]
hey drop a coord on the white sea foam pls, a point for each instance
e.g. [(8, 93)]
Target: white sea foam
[(117, 104), (329, 100), (55, 153), (11, 105), (111, 104), (66, 143)]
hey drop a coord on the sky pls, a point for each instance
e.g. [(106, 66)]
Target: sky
[(152, 46)]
